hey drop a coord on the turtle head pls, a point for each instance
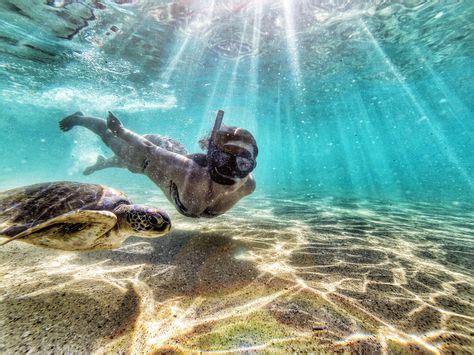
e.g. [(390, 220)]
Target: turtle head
[(142, 221)]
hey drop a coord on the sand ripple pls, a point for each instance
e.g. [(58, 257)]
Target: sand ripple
[(275, 274)]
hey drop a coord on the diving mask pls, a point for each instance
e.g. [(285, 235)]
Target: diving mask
[(230, 154)]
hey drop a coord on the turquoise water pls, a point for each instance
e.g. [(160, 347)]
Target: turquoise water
[(363, 114), (349, 98)]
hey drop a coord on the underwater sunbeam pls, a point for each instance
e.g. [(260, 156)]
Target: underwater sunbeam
[(227, 176)]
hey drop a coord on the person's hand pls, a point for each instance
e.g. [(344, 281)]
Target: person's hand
[(114, 124)]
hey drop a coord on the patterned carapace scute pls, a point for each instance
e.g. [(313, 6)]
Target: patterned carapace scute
[(35, 204)]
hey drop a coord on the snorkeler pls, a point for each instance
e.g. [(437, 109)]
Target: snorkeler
[(199, 185)]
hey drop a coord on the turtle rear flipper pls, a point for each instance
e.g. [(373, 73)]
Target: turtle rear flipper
[(77, 230)]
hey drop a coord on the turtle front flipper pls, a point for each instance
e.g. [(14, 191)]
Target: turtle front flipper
[(77, 230)]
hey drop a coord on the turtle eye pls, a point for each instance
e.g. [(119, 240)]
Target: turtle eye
[(156, 220)]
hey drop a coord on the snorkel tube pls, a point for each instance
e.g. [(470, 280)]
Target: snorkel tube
[(217, 127), (212, 149)]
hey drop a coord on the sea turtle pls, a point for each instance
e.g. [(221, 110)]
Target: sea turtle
[(76, 216)]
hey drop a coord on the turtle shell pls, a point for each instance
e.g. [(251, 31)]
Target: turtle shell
[(25, 207)]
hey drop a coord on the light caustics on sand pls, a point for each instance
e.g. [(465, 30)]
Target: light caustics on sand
[(273, 262), (349, 275)]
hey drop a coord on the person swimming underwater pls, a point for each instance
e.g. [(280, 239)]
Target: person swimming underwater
[(199, 185)]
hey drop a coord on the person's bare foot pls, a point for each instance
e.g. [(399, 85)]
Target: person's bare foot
[(114, 124), (97, 166), (70, 121)]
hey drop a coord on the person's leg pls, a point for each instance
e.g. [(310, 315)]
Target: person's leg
[(99, 127), (118, 130), (96, 125), (103, 163)]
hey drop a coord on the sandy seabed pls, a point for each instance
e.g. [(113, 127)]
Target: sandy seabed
[(273, 275)]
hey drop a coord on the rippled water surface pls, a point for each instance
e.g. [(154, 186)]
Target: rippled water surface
[(359, 237)]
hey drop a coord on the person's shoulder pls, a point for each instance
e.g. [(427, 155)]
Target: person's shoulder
[(250, 185)]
